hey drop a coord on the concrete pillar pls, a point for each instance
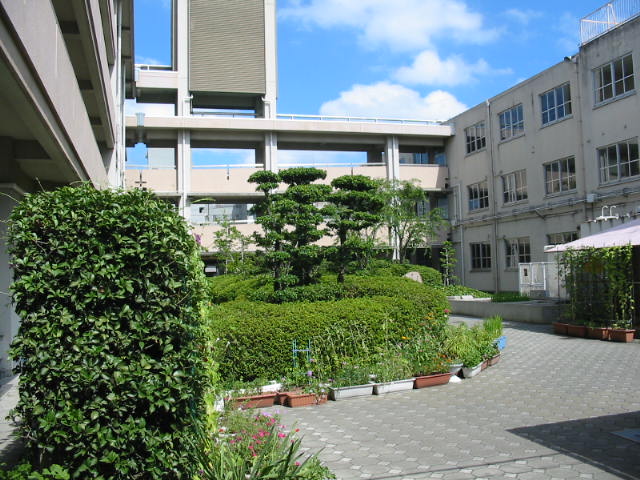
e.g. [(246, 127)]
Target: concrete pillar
[(271, 59), (181, 57), (269, 153), (183, 167), (10, 194), (392, 155)]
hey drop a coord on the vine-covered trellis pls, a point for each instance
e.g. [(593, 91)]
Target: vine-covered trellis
[(599, 282)]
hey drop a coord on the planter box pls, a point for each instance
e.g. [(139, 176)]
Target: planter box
[(560, 328), (576, 331), (469, 372), (254, 401), (622, 335), (598, 333), (454, 368), (494, 360), (397, 386), (484, 365), (340, 393), (300, 400), (432, 380), (501, 342)]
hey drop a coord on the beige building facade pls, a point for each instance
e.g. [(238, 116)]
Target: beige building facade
[(538, 163)]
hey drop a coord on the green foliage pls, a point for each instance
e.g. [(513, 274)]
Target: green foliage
[(25, 471), (251, 446), (493, 325), (430, 276), (599, 282), (455, 290), (230, 246), (376, 311), (469, 345), (401, 216), (509, 297), (355, 204), (109, 286), (226, 288), (448, 261)]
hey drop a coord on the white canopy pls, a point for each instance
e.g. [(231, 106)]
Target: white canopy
[(625, 234)]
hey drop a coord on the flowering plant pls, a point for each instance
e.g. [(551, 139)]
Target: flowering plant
[(425, 355)]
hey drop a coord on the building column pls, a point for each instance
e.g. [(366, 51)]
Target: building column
[(181, 56), (269, 153), (392, 157), (183, 167), (271, 60)]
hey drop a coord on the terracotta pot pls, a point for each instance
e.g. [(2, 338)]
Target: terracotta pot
[(576, 331), (254, 401), (622, 334), (300, 400), (322, 398), (494, 360), (484, 365), (560, 328), (431, 380), (598, 333)]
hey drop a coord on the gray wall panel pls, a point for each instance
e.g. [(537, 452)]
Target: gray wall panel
[(226, 46)]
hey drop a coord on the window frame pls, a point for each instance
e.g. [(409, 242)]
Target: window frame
[(475, 195), (480, 259), (517, 251), (569, 178), (566, 237), (475, 141), (605, 169), (561, 107), (511, 122), (511, 191), (606, 85)]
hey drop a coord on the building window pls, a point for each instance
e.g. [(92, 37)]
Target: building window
[(511, 122), (560, 176), (619, 161), (560, 238), (518, 251), (514, 186), (480, 256), (556, 104), (478, 196), (614, 79), (476, 137)]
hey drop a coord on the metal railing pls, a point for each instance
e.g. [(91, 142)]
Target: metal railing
[(144, 66), (228, 166), (607, 17), (348, 119)]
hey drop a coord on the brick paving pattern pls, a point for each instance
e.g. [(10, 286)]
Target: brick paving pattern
[(546, 411)]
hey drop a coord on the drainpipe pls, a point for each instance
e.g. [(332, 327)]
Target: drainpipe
[(580, 126), (461, 230), (492, 192)]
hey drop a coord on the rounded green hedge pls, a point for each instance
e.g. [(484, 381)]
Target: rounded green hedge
[(258, 336), (109, 287)]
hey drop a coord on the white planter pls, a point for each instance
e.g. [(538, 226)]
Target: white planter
[(469, 372), (454, 368), (397, 386), (340, 393)]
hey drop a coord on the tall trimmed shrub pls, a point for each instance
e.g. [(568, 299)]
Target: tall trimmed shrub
[(109, 288)]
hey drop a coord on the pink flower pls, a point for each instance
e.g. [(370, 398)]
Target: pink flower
[(447, 311), (281, 435), (297, 464)]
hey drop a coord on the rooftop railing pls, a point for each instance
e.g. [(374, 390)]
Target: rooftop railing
[(349, 119), (607, 17)]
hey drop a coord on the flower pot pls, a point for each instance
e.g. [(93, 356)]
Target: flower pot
[(254, 401), (321, 398), (397, 386), (560, 328), (469, 372), (501, 342), (340, 393), (300, 400), (484, 365), (494, 360), (454, 368), (598, 333), (622, 334), (432, 380), (576, 331)]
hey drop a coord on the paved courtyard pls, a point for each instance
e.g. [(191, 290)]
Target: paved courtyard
[(546, 411)]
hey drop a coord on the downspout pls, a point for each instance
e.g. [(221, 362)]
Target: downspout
[(461, 229), (491, 182), (580, 127)]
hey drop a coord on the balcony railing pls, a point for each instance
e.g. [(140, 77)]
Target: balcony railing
[(348, 119), (607, 17)]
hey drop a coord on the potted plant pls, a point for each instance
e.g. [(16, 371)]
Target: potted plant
[(392, 372), (560, 328), (353, 379), (457, 341), (472, 360), (429, 365), (597, 331), (250, 395), (622, 331), (576, 330), (493, 327)]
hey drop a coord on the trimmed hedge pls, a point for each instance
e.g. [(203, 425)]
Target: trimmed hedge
[(430, 276), (229, 287), (109, 286), (259, 335)]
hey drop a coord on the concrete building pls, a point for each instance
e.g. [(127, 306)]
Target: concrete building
[(536, 164), (65, 69)]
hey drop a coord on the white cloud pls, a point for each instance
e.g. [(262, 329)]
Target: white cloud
[(568, 39), (147, 60), (390, 100), (523, 16), (402, 25), (131, 107), (429, 69)]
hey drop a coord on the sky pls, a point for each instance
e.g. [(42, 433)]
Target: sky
[(411, 59)]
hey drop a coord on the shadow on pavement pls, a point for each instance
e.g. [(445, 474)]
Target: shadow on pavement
[(591, 441)]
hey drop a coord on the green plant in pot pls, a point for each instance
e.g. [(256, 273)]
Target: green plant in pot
[(391, 365)]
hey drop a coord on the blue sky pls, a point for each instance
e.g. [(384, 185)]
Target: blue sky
[(399, 58), (424, 59)]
